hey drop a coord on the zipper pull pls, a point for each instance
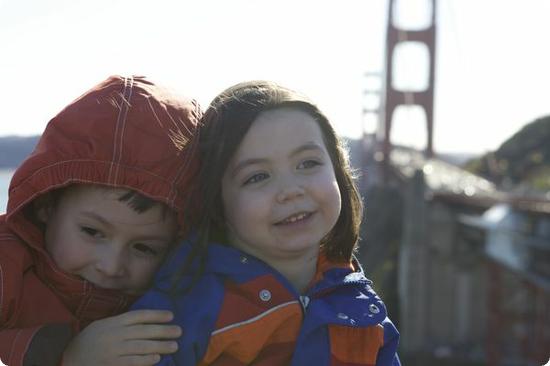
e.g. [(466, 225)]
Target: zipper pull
[(305, 301)]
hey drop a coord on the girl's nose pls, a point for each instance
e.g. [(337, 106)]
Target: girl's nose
[(290, 190)]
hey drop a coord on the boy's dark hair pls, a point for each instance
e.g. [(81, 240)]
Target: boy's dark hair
[(226, 122), (124, 132), (135, 200)]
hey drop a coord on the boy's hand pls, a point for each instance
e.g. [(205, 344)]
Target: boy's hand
[(135, 338)]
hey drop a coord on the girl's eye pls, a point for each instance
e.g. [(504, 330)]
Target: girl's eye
[(145, 249), (308, 164), (90, 231), (256, 178)]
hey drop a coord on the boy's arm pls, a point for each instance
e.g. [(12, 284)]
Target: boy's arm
[(40, 345), (36, 346), (136, 337)]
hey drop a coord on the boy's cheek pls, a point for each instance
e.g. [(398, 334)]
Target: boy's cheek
[(144, 282), (68, 260)]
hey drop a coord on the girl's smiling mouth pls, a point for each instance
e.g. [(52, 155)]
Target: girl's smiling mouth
[(295, 218)]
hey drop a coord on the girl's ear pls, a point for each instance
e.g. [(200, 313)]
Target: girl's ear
[(43, 207)]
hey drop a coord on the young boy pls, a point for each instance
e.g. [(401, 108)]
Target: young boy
[(91, 215)]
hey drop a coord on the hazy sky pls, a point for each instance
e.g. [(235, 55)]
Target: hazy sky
[(492, 66)]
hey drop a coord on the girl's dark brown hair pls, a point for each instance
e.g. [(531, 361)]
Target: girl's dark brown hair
[(224, 126)]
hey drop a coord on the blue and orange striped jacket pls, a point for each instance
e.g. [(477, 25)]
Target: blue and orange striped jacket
[(243, 312)]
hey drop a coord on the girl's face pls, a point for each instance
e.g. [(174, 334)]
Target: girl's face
[(279, 190)]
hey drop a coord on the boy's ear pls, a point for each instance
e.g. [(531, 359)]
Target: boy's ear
[(43, 207)]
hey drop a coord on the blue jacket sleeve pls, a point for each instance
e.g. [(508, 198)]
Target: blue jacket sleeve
[(195, 311), (159, 301), (387, 355)]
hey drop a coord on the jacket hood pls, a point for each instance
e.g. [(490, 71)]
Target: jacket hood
[(124, 133)]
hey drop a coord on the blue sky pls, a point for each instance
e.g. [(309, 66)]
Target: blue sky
[(492, 73)]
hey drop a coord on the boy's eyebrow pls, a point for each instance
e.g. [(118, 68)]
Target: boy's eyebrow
[(308, 146), (103, 221), (93, 215)]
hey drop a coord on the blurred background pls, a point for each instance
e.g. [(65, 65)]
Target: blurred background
[(444, 104)]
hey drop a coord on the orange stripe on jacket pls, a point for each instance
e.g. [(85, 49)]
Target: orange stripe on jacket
[(272, 355), (336, 362), (243, 301), (323, 265), (244, 341), (355, 346)]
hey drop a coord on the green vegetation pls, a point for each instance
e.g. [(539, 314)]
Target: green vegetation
[(523, 159)]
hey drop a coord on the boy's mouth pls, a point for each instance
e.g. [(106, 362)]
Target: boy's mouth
[(298, 217), (99, 284)]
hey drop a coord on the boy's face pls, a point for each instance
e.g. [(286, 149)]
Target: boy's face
[(93, 235)]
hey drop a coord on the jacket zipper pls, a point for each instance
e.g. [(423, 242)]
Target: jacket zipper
[(304, 300)]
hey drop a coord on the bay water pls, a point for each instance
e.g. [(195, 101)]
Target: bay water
[(5, 177)]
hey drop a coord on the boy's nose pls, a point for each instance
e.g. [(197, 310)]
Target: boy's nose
[(110, 263)]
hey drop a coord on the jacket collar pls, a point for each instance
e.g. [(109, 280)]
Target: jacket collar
[(340, 291)]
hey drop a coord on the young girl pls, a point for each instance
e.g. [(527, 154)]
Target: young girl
[(270, 277)]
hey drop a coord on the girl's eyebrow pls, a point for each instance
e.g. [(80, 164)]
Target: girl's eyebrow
[(244, 163), (308, 146)]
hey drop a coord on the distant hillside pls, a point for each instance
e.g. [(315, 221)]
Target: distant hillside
[(14, 149), (356, 149), (458, 159), (523, 159)]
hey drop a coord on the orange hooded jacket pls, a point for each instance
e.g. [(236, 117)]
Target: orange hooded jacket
[(124, 132)]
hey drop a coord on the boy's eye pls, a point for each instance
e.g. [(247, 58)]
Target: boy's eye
[(256, 178), (146, 249), (90, 231), (308, 164)]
